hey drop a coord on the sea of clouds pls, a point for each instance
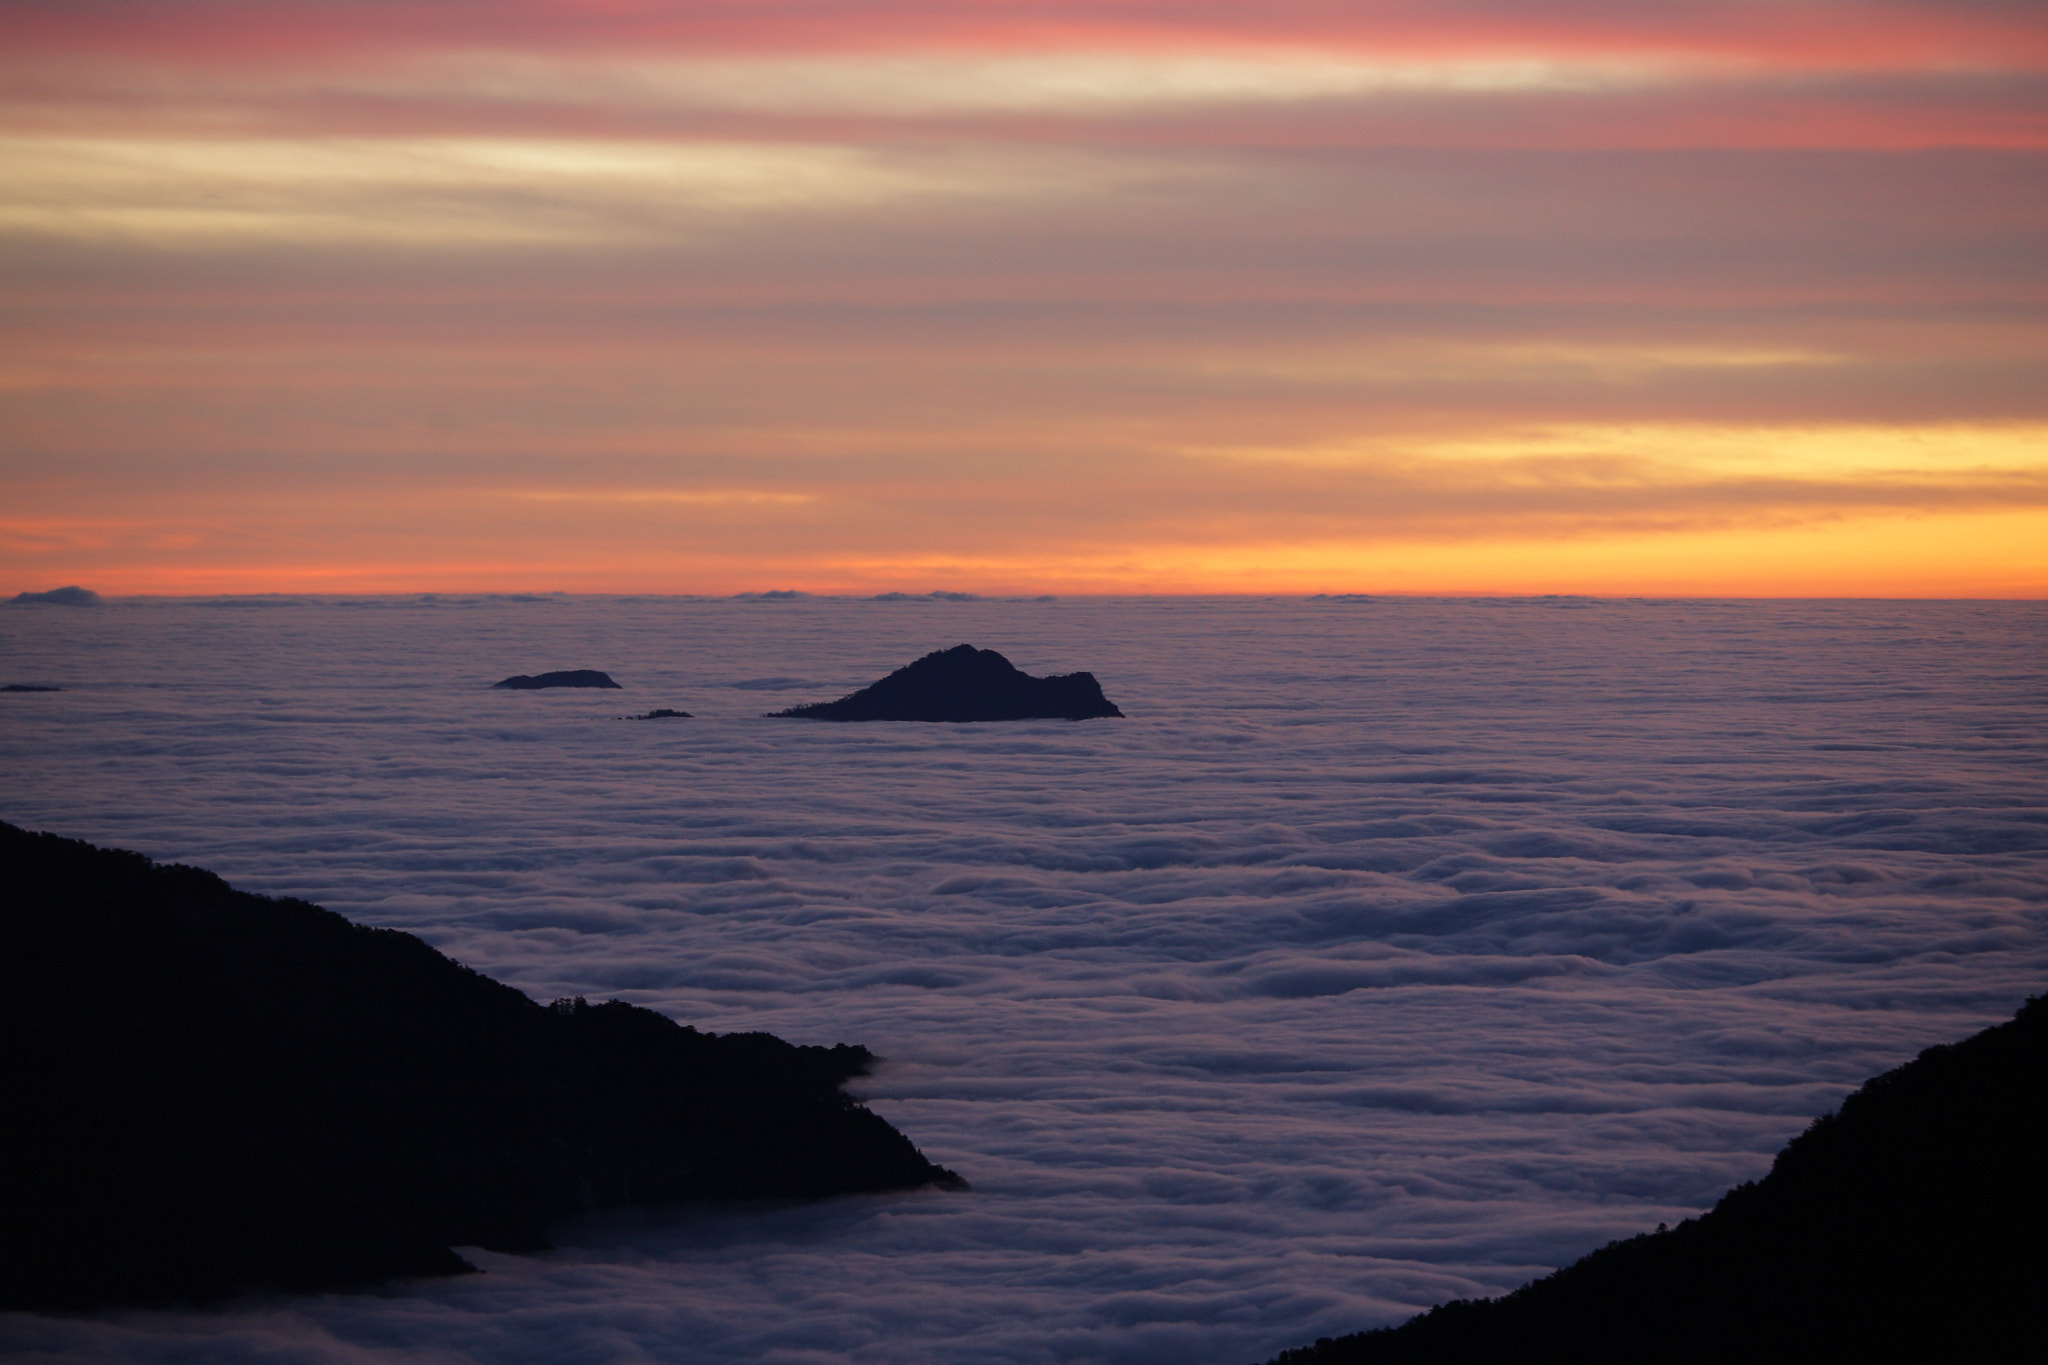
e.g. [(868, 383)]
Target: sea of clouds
[(1390, 951)]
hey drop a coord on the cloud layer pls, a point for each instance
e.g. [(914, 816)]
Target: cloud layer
[(1392, 950)]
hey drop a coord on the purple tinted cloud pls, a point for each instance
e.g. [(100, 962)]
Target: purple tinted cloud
[(1391, 951)]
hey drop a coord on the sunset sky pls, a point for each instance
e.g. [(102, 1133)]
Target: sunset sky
[(1743, 298)]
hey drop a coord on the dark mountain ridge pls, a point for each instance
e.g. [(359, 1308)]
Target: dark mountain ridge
[(72, 596), (210, 1091), (965, 684), (1907, 1225), (567, 677)]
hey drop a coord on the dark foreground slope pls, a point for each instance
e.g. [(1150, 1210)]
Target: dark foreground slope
[(1910, 1225), (966, 684), (207, 1091)]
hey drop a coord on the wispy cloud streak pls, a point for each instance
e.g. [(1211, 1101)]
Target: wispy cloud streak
[(1082, 276)]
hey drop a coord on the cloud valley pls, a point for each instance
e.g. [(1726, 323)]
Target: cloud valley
[(1391, 950)]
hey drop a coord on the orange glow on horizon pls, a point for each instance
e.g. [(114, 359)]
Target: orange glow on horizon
[(1989, 555), (1098, 296)]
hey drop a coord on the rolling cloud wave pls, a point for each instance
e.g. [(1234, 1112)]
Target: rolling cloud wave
[(1392, 950)]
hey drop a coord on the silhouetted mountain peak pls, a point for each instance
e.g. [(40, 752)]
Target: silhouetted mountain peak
[(965, 684), (210, 1091), (569, 677), (72, 596), (1904, 1226)]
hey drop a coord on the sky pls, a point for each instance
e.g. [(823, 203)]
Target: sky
[(1739, 298)]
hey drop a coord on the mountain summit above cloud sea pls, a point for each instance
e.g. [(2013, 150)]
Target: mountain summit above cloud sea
[(965, 684), (567, 677), (1904, 1226), (210, 1091), (72, 596)]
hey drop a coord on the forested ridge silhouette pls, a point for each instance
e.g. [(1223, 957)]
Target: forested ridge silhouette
[(1907, 1225), (210, 1091)]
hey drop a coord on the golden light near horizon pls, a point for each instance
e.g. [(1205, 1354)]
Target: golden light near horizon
[(1709, 310)]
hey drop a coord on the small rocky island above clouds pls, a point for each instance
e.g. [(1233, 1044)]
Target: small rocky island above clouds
[(73, 596), (568, 677), (964, 684), (210, 1092)]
